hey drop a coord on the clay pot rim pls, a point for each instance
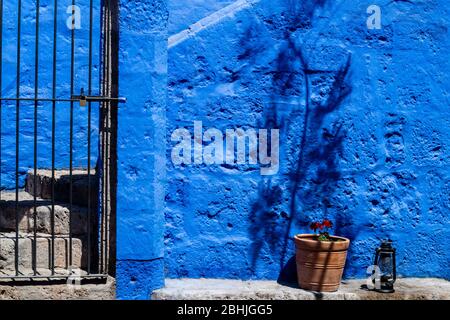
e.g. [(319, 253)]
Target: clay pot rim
[(306, 237), (305, 242)]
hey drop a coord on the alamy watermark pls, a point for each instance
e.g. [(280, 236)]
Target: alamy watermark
[(234, 146), (74, 280), (73, 22), (374, 19), (374, 280)]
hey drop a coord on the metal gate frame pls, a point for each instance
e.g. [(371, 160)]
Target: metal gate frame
[(108, 103)]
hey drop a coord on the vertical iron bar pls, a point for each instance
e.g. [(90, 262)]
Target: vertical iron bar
[(89, 250), (1, 86), (102, 137), (55, 28), (16, 249), (72, 66), (108, 83), (36, 91)]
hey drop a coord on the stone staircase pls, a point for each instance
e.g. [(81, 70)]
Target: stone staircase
[(78, 214)]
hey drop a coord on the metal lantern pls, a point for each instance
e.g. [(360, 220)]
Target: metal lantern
[(385, 261)]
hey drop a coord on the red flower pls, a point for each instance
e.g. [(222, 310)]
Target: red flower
[(327, 223), (314, 226)]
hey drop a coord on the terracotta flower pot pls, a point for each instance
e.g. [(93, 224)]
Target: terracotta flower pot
[(320, 264)]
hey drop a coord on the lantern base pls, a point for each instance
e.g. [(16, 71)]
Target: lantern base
[(385, 290)]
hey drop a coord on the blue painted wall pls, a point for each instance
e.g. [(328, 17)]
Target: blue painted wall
[(375, 144), (27, 84), (141, 147), (363, 116)]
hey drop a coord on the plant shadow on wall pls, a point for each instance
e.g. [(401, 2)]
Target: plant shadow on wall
[(313, 143)]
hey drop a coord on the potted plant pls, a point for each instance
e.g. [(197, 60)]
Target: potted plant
[(320, 258)]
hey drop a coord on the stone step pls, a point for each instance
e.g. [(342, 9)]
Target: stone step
[(43, 247), (43, 210), (220, 289), (100, 290), (80, 183), (25, 274)]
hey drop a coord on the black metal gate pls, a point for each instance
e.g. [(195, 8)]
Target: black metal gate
[(55, 218)]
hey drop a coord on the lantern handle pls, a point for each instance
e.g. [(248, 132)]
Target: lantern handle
[(394, 269)]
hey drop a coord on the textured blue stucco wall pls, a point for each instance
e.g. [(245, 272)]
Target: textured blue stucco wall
[(141, 147), (363, 116), (375, 145), (27, 85)]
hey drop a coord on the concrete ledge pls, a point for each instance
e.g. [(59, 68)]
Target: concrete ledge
[(216, 289)]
